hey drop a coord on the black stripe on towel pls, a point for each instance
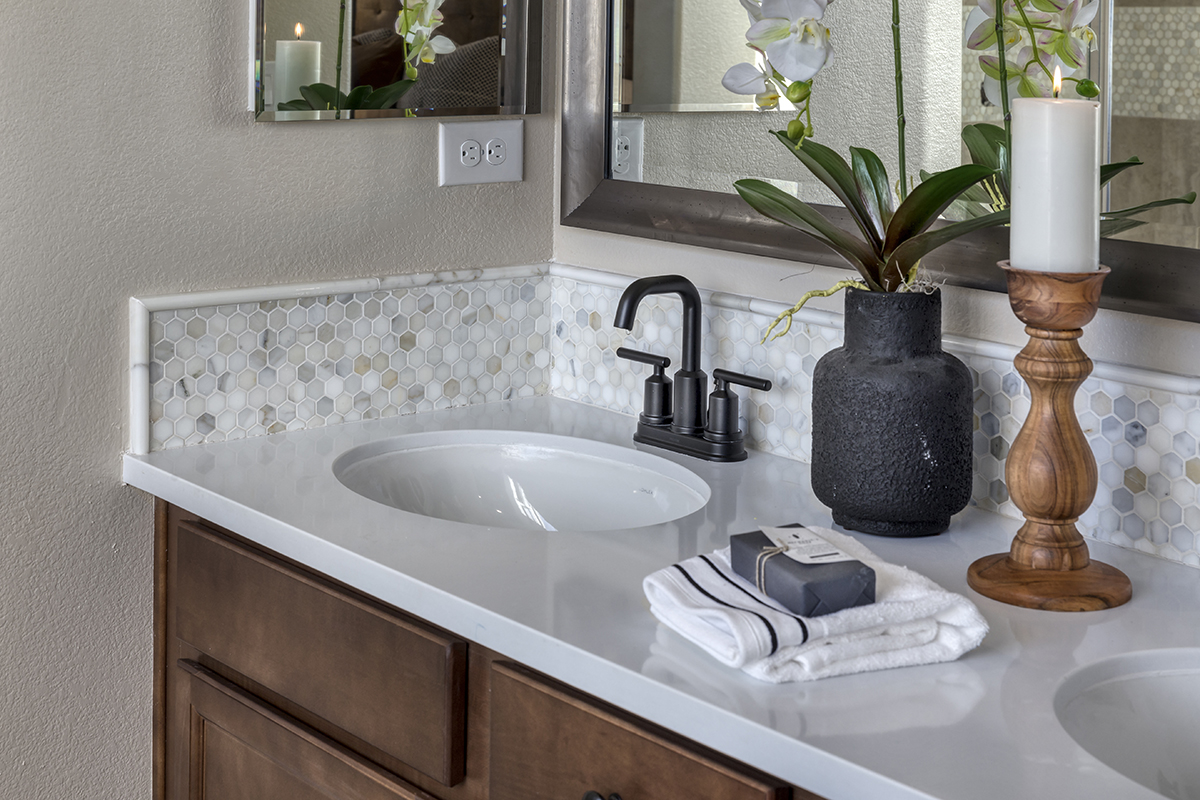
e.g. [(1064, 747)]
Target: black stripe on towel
[(710, 596), (742, 589)]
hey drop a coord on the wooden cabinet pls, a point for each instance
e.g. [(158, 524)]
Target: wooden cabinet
[(241, 748), (550, 742), (274, 682), (387, 686)]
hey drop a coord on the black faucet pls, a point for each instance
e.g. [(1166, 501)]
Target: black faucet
[(674, 414)]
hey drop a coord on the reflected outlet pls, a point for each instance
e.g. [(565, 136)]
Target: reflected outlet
[(461, 158)]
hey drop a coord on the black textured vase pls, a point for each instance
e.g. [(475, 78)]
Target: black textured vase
[(892, 419)]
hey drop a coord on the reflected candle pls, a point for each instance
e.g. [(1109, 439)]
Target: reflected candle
[(1055, 185), (297, 64)]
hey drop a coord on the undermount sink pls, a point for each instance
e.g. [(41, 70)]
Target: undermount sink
[(1139, 713), (528, 481)]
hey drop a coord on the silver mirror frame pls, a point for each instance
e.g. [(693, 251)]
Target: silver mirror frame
[(521, 63), (1154, 280)]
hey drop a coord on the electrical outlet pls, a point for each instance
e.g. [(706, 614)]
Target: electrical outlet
[(468, 153), (627, 138), (461, 159), (495, 152)]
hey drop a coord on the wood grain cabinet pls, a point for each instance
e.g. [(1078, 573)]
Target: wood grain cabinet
[(277, 683), (552, 743)]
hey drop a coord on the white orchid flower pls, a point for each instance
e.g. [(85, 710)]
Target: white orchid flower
[(436, 46), (793, 38), (767, 100), (753, 9), (746, 79), (1076, 40)]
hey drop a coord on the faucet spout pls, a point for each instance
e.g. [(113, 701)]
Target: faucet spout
[(666, 284)]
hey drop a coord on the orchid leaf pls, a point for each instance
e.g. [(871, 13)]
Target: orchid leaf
[(928, 200), (384, 96), (358, 95), (320, 96), (982, 151), (1110, 171), (1003, 171), (832, 170), (905, 257), (1186, 199), (872, 179), (773, 202), (1112, 227), (869, 191), (294, 105)]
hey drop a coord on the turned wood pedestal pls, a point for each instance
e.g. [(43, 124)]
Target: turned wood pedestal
[(1051, 472)]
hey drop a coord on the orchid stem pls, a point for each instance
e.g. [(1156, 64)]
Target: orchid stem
[(337, 89), (1004, 76), (899, 97)]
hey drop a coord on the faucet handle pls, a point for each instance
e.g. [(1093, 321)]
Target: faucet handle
[(653, 359), (656, 395), (723, 404), (721, 376)]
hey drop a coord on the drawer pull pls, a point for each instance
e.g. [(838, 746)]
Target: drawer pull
[(598, 796)]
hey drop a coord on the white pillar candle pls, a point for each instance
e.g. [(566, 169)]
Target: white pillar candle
[(1055, 185), (297, 63)]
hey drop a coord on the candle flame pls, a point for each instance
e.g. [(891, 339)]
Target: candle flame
[(1057, 80), (300, 32)]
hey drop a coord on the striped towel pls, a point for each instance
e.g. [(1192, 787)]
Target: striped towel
[(912, 621)]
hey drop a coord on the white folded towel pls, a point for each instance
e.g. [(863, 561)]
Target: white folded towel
[(912, 621)]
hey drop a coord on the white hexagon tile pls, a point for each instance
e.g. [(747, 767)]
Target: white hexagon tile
[(224, 372)]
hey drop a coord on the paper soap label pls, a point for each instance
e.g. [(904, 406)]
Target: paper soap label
[(805, 546)]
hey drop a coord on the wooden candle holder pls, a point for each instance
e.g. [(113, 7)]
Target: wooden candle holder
[(1051, 472)]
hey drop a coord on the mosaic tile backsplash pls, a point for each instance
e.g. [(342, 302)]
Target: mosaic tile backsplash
[(226, 372)]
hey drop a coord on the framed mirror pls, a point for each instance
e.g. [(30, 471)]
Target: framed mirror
[(1156, 267), (399, 58)]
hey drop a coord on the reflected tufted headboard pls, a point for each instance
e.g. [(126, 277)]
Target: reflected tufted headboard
[(466, 20)]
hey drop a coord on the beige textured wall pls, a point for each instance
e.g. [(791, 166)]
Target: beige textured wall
[(128, 165)]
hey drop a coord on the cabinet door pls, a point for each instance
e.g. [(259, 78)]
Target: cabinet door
[(377, 682), (243, 749), (551, 743)]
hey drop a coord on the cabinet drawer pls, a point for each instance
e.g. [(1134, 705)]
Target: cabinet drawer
[(242, 749), (550, 743), (381, 684)]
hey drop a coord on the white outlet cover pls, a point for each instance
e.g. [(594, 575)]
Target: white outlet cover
[(451, 136), (628, 136)]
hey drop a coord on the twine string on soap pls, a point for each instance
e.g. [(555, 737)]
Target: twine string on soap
[(760, 565)]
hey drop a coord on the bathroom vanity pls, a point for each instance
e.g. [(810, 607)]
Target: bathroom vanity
[(286, 684), (315, 643)]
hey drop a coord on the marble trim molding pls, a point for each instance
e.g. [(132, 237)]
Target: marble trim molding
[(548, 331)]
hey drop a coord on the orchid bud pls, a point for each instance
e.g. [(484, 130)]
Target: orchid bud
[(796, 130), (799, 91), (1087, 88)]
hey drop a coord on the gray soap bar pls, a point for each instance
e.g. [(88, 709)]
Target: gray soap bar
[(809, 590)]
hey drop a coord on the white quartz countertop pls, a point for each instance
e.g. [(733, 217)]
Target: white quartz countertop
[(570, 605)]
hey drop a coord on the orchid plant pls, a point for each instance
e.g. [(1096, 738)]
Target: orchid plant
[(415, 24), (894, 229), (1032, 40)]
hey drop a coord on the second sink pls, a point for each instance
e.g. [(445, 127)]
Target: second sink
[(530, 481), (1139, 713)]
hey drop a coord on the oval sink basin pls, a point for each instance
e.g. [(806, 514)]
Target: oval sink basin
[(1139, 713), (529, 481)]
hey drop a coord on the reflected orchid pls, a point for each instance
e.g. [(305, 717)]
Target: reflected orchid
[(1038, 35), (791, 35)]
